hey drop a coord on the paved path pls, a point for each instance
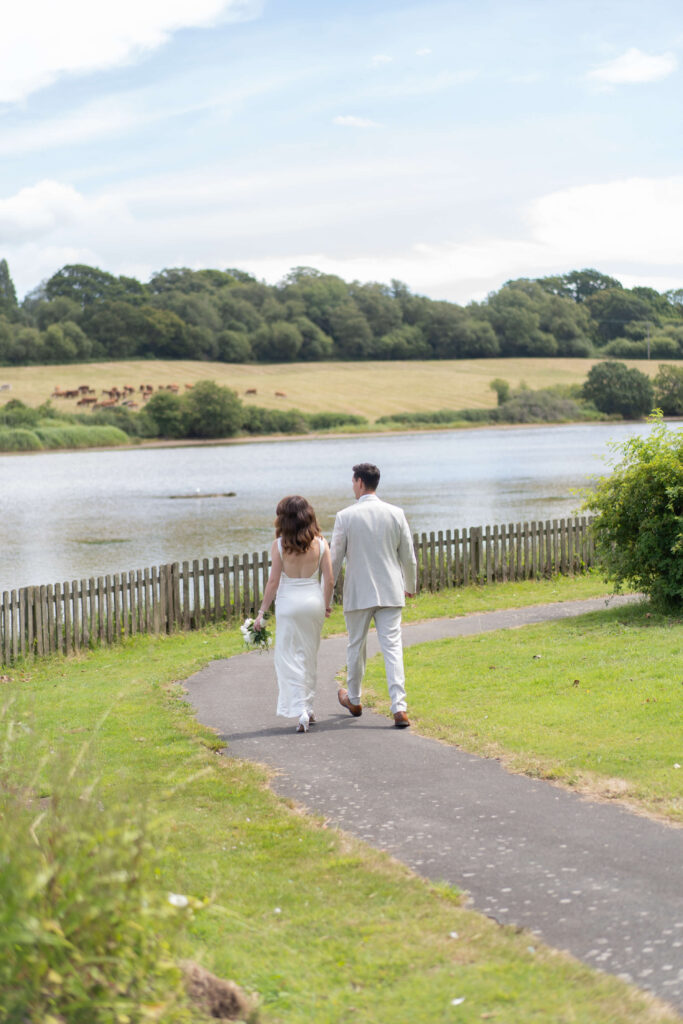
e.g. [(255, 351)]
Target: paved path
[(588, 877)]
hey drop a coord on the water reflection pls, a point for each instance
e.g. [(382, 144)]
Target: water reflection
[(74, 514)]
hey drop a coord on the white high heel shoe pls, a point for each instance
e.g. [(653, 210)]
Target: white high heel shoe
[(303, 722)]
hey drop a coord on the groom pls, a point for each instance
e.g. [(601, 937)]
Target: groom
[(381, 572)]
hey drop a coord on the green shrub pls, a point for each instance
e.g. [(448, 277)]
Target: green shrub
[(668, 386), (436, 417), (625, 348), (210, 410), (257, 420), (328, 420), (15, 414), (75, 436), (614, 388), (541, 406), (85, 931), (19, 440), (639, 525)]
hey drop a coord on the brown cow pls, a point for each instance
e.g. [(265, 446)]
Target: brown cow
[(280, 394), (250, 391)]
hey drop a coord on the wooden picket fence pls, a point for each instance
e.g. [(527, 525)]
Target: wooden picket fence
[(72, 616)]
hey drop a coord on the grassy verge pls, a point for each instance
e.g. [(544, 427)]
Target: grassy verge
[(489, 598), (322, 927), (593, 702)]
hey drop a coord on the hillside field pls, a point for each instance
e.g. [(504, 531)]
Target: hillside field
[(370, 389)]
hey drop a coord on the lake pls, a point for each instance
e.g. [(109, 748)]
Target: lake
[(69, 515)]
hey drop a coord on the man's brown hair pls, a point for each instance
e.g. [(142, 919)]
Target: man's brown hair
[(368, 473)]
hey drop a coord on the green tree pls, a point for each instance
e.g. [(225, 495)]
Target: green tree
[(164, 414), (234, 347), (581, 284), (502, 389), (613, 308), (210, 410), (613, 388), (639, 506), (668, 386), (8, 295), (86, 285)]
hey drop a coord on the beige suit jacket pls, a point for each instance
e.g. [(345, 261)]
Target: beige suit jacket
[(374, 538)]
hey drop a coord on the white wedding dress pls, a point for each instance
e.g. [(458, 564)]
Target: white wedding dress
[(299, 615)]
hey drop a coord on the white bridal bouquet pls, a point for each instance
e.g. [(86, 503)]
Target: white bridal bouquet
[(258, 638)]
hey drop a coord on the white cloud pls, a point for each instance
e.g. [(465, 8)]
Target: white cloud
[(628, 228), (42, 40), (349, 121), (631, 224), (380, 59), (424, 51), (42, 210), (635, 66)]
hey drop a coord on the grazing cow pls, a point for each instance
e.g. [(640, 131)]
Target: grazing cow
[(58, 393), (189, 386), (86, 400), (280, 394), (72, 393), (107, 404), (250, 391), (5, 387), (84, 389), (128, 390)]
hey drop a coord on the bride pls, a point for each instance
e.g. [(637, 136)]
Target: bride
[(300, 559)]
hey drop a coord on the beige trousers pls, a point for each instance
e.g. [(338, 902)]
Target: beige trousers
[(388, 623)]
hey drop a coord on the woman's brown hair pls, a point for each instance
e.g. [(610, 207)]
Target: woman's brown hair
[(296, 523)]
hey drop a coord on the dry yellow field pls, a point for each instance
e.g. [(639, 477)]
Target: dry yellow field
[(369, 389)]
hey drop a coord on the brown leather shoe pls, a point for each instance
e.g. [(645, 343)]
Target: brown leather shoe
[(401, 720), (355, 709)]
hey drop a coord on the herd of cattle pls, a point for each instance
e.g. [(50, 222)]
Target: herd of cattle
[(126, 396)]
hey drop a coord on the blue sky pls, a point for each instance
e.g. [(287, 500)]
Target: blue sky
[(451, 145)]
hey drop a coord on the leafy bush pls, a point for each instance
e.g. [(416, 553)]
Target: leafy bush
[(328, 420), (639, 525), (614, 388), (669, 390), (210, 410), (257, 420), (19, 440), (541, 406), (75, 436), (436, 417), (625, 348), (85, 931), (15, 414), (163, 415)]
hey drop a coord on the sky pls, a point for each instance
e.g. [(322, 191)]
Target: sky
[(452, 145)]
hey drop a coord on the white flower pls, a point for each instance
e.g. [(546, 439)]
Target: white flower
[(177, 900)]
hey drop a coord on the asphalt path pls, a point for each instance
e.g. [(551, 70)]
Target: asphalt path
[(588, 877)]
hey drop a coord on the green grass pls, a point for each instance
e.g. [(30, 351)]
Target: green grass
[(489, 598), (324, 928), (593, 702)]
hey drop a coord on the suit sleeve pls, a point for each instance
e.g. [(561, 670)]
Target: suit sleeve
[(406, 556), (338, 546)]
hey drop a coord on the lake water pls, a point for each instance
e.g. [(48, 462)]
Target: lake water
[(69, 515)]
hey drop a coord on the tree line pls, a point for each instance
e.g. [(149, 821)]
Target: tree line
[(83, 313)]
